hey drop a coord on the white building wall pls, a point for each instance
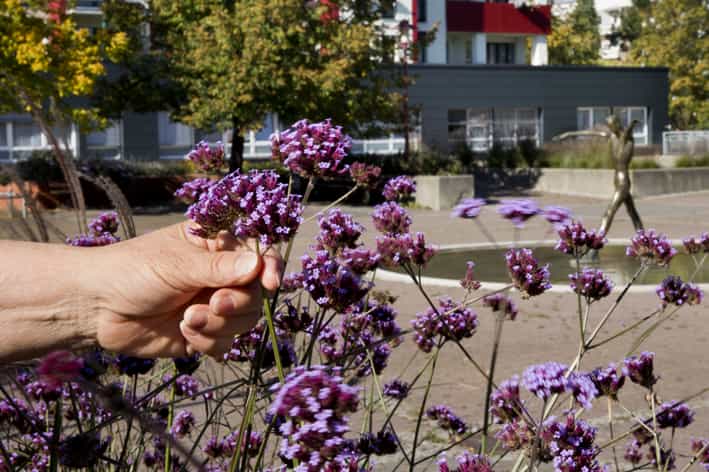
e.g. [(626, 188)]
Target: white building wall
[(479, 48), (540, 51), (435, 14)]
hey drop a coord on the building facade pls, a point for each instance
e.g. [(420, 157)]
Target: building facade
[(482, 79)]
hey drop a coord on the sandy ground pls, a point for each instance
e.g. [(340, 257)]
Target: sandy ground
[(546, 328)]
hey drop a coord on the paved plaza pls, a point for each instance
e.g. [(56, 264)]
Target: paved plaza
[(546, 328)]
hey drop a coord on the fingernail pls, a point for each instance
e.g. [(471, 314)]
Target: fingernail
[(246, 263), (196, 319)]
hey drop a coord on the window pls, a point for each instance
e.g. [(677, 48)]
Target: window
[(480, 127), (3, 135), (456, 126), (388, 8), (171, 133), (26, 135), (468, 52), (500, 53), (591, 117), (421, 48), (421, 10), (109, 137)]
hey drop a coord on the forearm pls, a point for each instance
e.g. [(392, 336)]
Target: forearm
[(46, 302)]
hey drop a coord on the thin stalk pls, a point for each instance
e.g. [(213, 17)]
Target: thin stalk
[(623, 331), (333, 204), (170, 417), (272, 335), (486, 233), (646, 334), (499, 322), (610, 429), (449, 447), (658, 457), (412, 462), (695, 458)]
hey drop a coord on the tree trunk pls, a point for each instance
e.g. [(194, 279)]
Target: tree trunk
[(236, 157)]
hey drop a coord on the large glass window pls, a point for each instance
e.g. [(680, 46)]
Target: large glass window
[(456, 126), (26, 135), (109, 137), (479, 128), (421, 12), (591, 117), (500, 53), (171, 133)]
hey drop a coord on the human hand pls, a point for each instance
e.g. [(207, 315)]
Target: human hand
[(170, 293)]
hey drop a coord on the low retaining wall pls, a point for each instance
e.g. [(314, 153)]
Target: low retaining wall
[(645, 182), (444, 191)]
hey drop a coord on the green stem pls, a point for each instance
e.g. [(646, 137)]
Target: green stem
[(610, 429), (658, 456), (623, 331), (333, 204), (646, 334), (170, 417), (272, 334), (499, 322), (412, 463)]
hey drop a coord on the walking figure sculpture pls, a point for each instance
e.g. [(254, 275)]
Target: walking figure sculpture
[(622, 146)]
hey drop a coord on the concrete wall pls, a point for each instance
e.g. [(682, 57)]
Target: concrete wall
[(444, 191), (557, 90), (645, 182)]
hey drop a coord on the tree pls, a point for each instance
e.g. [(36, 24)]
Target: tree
[(47, 64), (575, 38), (239, 60), (674, 34)]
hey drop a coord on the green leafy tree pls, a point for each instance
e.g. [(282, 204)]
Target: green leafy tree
[(674, 34), (575, 38), (238, 60)]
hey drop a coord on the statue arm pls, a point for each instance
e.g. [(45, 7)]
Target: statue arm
[(587, 132)]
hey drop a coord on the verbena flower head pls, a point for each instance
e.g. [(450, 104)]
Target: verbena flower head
[(468, 208), (338, 230), (207, 158), (465, 462), (183, 424), (667, 457), (591, 284), (129, 365), (556, 215), (315, 405), (502, 303), (187, 365), (104, 223), (252, 205), (364, 175), (397, 389), (420, 252), (446, 419), (58, 367), (651, 247), (515, 435), (608, 380), (89, 240), (469, 282), (313, 149), (360, 260), (572, 445), (575, 239), (640, 369), (674, 415), (545, 380), (390, 218), (695, 245), (330, 283), (399, 189), (451, 321), (505, 402), (402, 249), (583, 389), (83, 450), (380, 444), (673, 291), (190, 191), (526, 274), (633, 453), (701, 446), (518, 211)]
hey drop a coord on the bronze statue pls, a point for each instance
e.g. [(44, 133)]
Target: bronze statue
[(622, 146)]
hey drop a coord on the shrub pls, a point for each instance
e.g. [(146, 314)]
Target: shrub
[(693, 161)]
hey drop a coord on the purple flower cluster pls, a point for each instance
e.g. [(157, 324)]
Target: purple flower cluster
[(380, 444), (607, 380), (650, 246), (313, 149), (700, 447), (252, 205), (583, 389), (518, 211), (289, 320), (633, 452), (557, 216), (243, 348), (571, 444), (545, 380), (674, 415), (399, 189), (361, 260), (102, 232), (183, 424), (207, 158), (591, 284), (468, 282), (403, 249), (505, 402), (526, 274), (397, 389), (466, 462), (390, 218), (446, 419), (640, 369), (451, 321), (575, 239), (468, 208), (128, 365), (502, 303), (515, 435), (190, 191), (364, 175), (315, 405), (695, 245), (673, 291), (330, 283), (338, 230)]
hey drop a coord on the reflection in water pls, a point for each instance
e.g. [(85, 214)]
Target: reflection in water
[(490, 265)]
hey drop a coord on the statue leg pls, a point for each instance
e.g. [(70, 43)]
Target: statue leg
[(613, 206), (633, 212)]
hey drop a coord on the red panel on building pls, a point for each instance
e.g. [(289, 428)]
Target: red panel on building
[(478, 17)]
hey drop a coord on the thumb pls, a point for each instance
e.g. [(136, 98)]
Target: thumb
[(239, 266)]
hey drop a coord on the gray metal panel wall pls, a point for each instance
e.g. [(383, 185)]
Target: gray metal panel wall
[(557, 90), (140, 136)]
